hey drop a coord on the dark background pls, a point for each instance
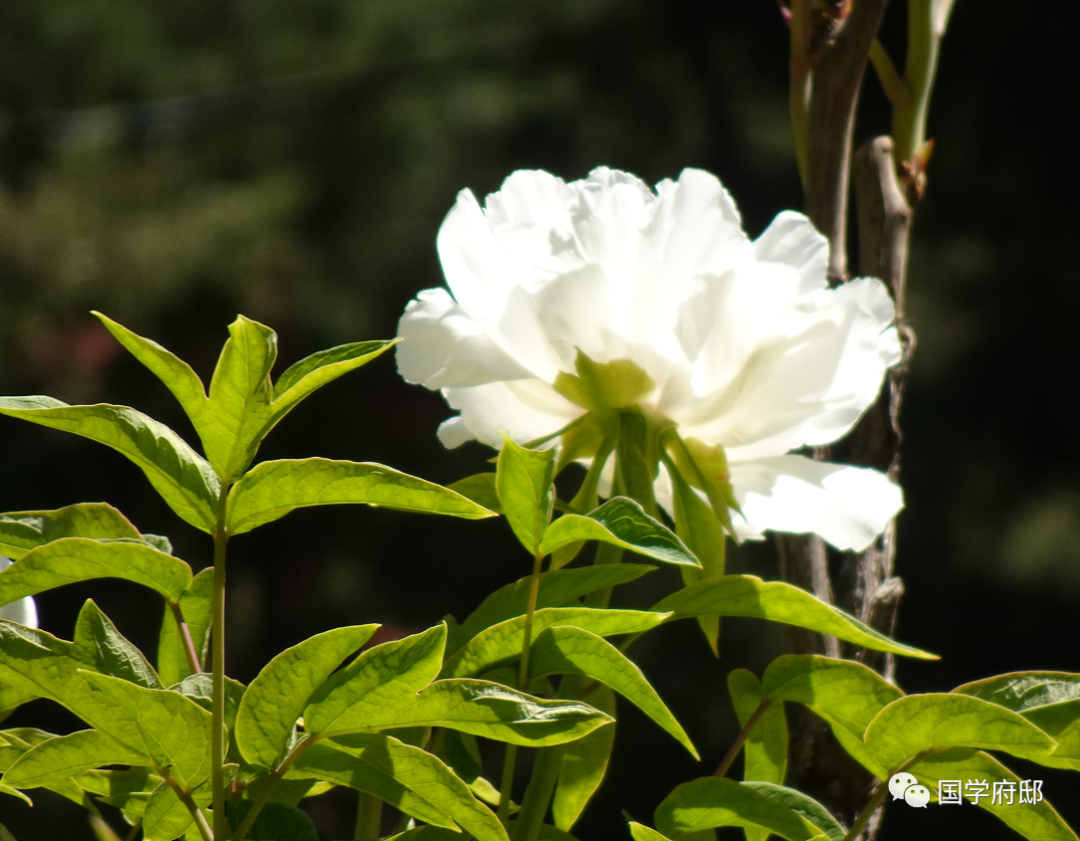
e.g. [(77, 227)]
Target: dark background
[(174, 164)]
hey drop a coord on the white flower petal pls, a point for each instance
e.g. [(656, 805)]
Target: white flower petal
[(523, 409), (23, 611), (444, 347), (810, 383), (847, 506), (793, 240)]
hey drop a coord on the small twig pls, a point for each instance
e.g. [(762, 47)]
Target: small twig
[(740, 740)]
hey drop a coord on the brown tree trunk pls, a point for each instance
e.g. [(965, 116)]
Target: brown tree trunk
[(862, 583)]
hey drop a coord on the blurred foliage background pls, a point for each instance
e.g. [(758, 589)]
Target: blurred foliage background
[(174, 164)]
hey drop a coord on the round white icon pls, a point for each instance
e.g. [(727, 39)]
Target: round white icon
[(917, 796), (898, 784)]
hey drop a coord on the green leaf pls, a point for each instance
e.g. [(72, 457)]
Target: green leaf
[(717, 801), (1049, 700), (805, 805), (272, 489), (556, 588), (21, 531), (73, 559), (698, 527), (312, 372), (620, 522), (276, 822), (523, 480), (196, 606), (61, 757), (765, 751), (183, 478), (240, 395), (163, 726), (778, 601), (841, 691), (481, 489), (915, 723), (277, 696), (406, 777), (4, 834), (39, 663), (502, 643), (381, 677), (165, 817), (97, 641), (584, 763), (636, 458), (200, 689), (490, 710), (640, 832), (1035, 821), (569, 650)]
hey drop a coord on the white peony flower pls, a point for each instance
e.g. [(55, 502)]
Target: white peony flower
[(739, 343), (23, 611)]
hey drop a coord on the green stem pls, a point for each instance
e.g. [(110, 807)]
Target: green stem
[(185, 797), (530, 610), (927, 20), (368, 818), (506, 784), (221, 538), (801, 80), (740, 740), (131, 836), (538, 795), (871, 807), (271, 781), (185, 636)]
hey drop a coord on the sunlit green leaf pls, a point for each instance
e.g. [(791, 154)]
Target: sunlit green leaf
[(165, 817), (485, 709), (21, 531), (163, 726), (79, 559), (556, 588), (765, 751), (183, 478), (570, 650), (380, 678), (481, 489), (778, 601), (272, 489), (620, 522), (843, 691), (39, 663), (718, 801), (640, 832), (805, 805), (502, 643), (240, 394), (584, 763), (277, 696), (312, 372), (1034, 821), (914, 723), (61, 757), (196, 604), (411, 779), (1049, 700), (523, 480), (200, 689), (698, 527), (97, 641)]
